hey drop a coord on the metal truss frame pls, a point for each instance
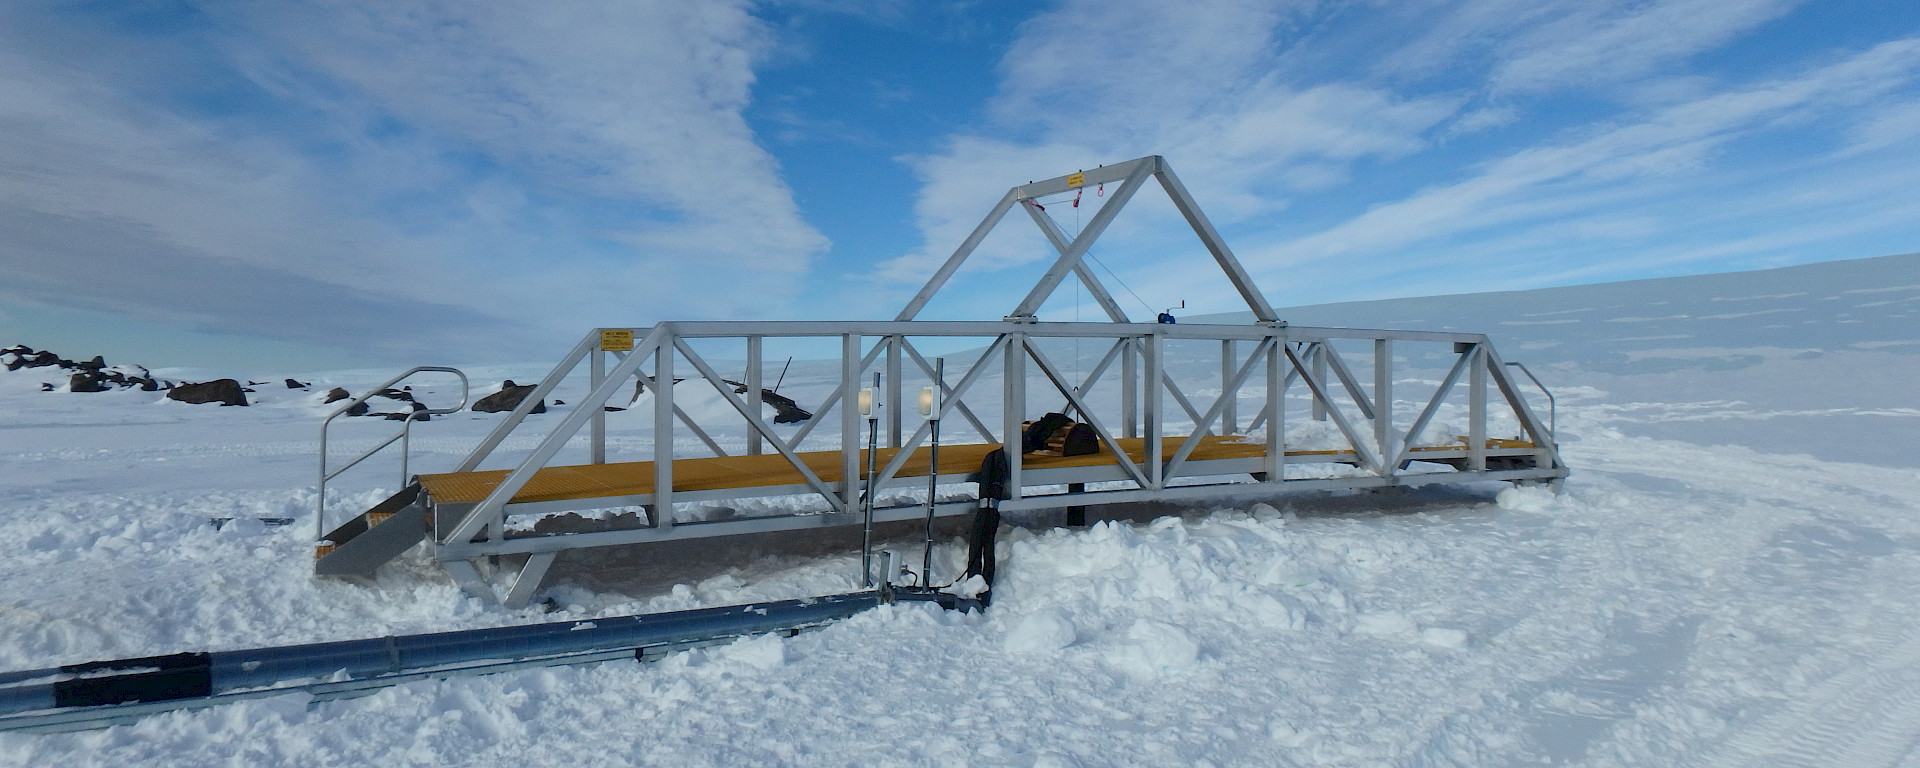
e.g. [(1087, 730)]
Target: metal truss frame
[(1265, 361), (1131, 175), (1268, 356)]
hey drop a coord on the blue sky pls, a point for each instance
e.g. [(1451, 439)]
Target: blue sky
[(307, 185)]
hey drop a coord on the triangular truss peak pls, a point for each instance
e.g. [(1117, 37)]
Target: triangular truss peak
[(1131, 176)]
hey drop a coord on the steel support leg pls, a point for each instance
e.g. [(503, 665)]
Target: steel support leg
[(528, 582)]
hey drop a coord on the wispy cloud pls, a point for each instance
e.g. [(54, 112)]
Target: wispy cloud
[(1360, 150), (1671, 140), (548, 166)]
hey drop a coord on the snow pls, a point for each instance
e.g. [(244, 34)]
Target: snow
[(1728, 579)]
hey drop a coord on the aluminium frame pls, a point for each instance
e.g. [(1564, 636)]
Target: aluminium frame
[(1379, 446)]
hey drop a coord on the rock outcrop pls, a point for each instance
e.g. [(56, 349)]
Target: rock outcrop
[(508, 398), (222, 391)]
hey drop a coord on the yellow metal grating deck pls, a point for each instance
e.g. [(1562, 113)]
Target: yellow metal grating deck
[(634, 478)]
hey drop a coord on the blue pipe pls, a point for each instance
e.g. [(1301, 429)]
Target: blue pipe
[(193, 679)]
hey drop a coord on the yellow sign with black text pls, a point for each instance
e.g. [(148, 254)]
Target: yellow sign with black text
[(1076, 180), (616, 340)]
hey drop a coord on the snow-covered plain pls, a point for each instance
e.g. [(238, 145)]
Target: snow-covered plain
[(1729, 578)]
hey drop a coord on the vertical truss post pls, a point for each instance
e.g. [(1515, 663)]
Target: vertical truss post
[(663, 433), (1229, 420), (1154, 356), (1130, 388), (1277, 380), (1477, 410), (894, 389), (597, 425), (755, 380), (1383, 405), (1319, 374), (851, 364), (1014, 410)]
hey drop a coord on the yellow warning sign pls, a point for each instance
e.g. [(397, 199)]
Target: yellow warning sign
[(616, 340), (1076, 180)]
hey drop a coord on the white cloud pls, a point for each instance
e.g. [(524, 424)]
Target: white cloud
[(1335, 144), (557, 165), (1102, 82), (1670, 140), (1604, 42), (1534, 46)]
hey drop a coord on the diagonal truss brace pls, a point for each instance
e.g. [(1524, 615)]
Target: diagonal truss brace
[(1131, 175)]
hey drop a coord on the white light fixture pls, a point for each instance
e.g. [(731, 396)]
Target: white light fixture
[(867, 403), (930, 402)]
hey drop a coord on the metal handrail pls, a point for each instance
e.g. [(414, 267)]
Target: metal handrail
[(404, 436), (1553, 407)]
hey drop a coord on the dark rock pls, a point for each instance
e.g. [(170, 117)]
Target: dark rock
[(98, 362), (558, 401), (255, 383), (40, 359), (146, 384), (395, 394), (222, 391), (337, 394), (87, 381), (15, 357), (508, 398), (358, 409), (45, 387), (291, 384), (785, 410), (418, 408)]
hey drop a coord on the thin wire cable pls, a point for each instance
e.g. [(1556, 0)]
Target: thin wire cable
[(1123, 283)]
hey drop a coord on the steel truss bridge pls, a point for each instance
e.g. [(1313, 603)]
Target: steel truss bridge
[(1160, 438)]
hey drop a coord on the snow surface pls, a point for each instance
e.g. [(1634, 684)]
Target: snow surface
[(1728, 579)]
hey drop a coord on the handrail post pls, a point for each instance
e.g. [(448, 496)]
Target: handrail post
[(1014, 411), (1155, 359), (894, 389), (1229, 417), (755, 404), (1130, 389), (1383, 405), (663, 432), (1276, 464), (597, 425), (1477, 410), (851, 365)]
